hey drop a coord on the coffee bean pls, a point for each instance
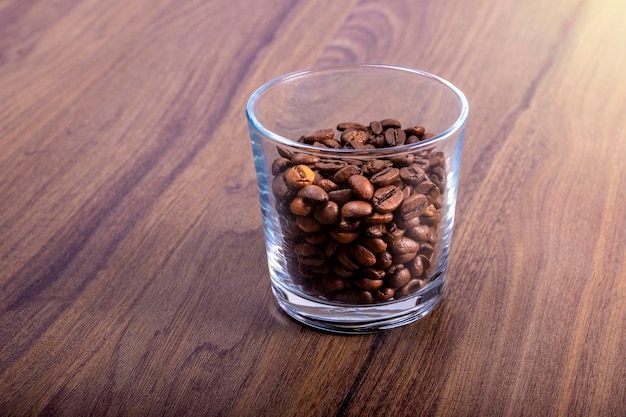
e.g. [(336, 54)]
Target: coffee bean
[(313, 193), (344, 237), (345, 173), (416, 130), (386, 176), (356, 135), (387, 199), (334, 283), (329, 166), (308, 224), (350, 125), (300, 207), (340, 197), (279, 165), (409, 288), (395, 137), (356, 209), (363, 255), (309, 255), (327, 185), (403, 245), (377, 230), (299, 176), (390, 123), (280, 189), (318, 136), (413, 206), (378, 218), (412, 174), (376, 127), (399, 278), (374, 166), (374, 244), (369, 284), (383, 294), (383, 260), (327, 213), (361, 187), (304, 159)]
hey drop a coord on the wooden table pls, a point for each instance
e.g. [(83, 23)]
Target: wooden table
[(133, 277)]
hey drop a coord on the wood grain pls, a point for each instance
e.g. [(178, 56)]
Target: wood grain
[(133, 276)]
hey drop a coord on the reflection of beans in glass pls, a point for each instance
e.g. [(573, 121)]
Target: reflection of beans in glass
[(360, 231)]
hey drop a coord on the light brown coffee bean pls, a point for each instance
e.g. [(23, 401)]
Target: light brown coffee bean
[(387, 199), (413, 206), (361, 187), (300, 207), (373, 166), (299, 176), (327, 185)]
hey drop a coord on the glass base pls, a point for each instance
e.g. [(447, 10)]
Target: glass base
[(345, 318)]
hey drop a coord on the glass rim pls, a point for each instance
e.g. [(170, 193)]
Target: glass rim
[(259, 92)]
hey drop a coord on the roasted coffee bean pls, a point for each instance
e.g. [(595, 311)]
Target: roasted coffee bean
[(356, 209), (280, 189), (313, 193), (390, 123), (327, 213), (413, 206), (285, 153), (383, 294), (409, 288), (329, 166), (429, 211), (300, 207), (421, 233), (376, 127), (378, 218), (395, 137), (383, 260), (386, 176), (413, 174), (344, 257), (355, 135), (412, 139), (354, 296), (342, 271), (415, 130), (299, 176), (416, 266), (387, 199), (377, 230), (308, 224), (340, 197), (399, 278), (316, 238), (378, 141), (373, 273), (404, 257), (345, 173), (309, 255), (344, 237), (374, 244), (402, 160), (327, 185), (349, 224), (361, 187), (392, 232), (304, 159), (368, 284), (318, 136), (350, 125), (374, 166), (334, 283), (363, 255), (279, 165), (409, 224), (403, 245)]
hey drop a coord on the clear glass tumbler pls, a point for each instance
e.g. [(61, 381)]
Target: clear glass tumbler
[(357, 169)]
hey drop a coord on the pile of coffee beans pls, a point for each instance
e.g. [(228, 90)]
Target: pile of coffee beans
[(360, 230)]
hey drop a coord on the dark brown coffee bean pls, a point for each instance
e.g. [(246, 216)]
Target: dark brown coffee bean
[(399, 278), (327, 185), (374, 244), (374, 166), (430, 211), (404, 257), (346, 259), (349, 224), (415, 130), (326, 166), (409, 224), (402, 160), (426, 187), (385, 177), (285, 153), (392, 232), (361, 187), (299, 176), (437, 159), (308, 224), (421, 232), (350, 125), (309, 255), (280, 189), (373, 273), (416, 266), (363, 255), (378, 218), (304, 159), (421, 162), (376, 127), (387, 199), (431, 221), (413, 206), (395, 137), (334, 283), (327, 213), (409, 288), (403, 245), (383, 260), (427, 136), (313, 193), (356, 209), (383, 294), (412, 174), (279, 165), (342, 271), (330, 248), (345, 173), (318, 136), (390, 123), (340, 197), (354, 296), (316, 238), (355, 135), (300, 207), (377, 230), (344, 237), (427, 249), (368, 284), (410, 139), (378, 141)]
